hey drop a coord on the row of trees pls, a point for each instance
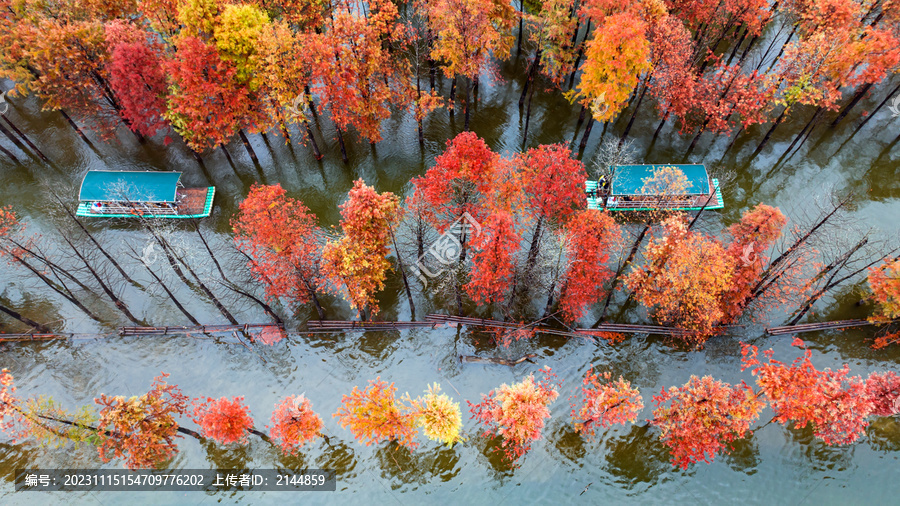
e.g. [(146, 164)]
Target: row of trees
[(511, 236), (697, 420), (528, 236), (211, 69)]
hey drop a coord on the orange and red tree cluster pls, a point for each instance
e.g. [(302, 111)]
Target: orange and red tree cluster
[(210, 69), (697, 420)]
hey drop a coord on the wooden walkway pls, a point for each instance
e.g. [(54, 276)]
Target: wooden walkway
[(813, 327)]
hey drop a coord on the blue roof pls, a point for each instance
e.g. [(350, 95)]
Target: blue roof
[(629, 179), (122, 186)]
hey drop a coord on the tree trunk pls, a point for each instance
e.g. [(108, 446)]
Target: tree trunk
[(165, 288), (120, 305), (412, 306), (62, 291), (80, 133), (856, 98), (312, 140), (587, 32), (452, 96), (171, 258), (814, 117), (769, 134), (309, 102), (781, 51), (521, 20), (886, 99), (529, 76), (96, 243), (248, 147), (26, 139), (773, 265), (581, 117), (634, 249), (468, 90), (636, 107), (10, 155), (266, 308), (736, 47), (527, 116), (40, 327), (16, 141), (587, 133), (343, 147)]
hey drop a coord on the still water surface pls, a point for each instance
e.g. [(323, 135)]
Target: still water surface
[(625, 464)]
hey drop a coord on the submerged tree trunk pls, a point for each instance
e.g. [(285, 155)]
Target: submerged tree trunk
[(80, 133), (312, 140), (856, 98), (40, 327), (248, 147), (343, 147), (412, 306), (171, 295)]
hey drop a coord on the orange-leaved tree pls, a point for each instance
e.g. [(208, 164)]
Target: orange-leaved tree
[(516, 412), (467, 33), (884, 282), (281, 237), (698, 419), (375, 415), (617, 55), (683, 279), (223, 420), (357, 263), (294, 423), (605, 402), (141, 429)]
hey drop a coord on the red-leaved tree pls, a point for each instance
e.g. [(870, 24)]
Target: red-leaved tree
[(697, 420), (590, 235), (605, 402), (834, 403), (224, 420), (294, 423), (281, 237)]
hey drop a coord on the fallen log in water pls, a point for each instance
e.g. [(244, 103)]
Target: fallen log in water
[(494, 360), (180, 329)]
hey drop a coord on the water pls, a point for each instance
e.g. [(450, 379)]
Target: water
[(623, 464)]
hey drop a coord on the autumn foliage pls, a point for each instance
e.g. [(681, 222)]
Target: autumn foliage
[(884, 282), (357, 263), (699, 419), (834, 403), (605, 402), (590, 235), (141, 429), (224, 420), (282, 239), (375, 414), (294, 423), (438, 416), (683, 279), (517, 412)]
